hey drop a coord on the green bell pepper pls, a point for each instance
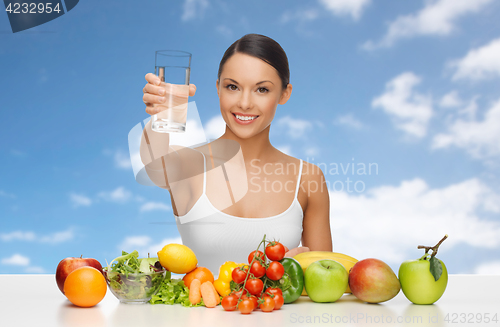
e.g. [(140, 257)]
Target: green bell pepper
[(292, 282)]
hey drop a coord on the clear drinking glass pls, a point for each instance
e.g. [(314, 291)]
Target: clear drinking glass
[(173, 67)]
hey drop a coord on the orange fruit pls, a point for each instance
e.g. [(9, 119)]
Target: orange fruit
[(201, 273), (85, 287)]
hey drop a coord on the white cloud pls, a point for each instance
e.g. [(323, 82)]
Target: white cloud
[(388, 222), (58, 237), (480, 138), (134, 241), (348, 120), (312, 151), (16, 260), (7, 195), (224, 30), (122, 160), (35, 270), (488, 268), (29, 236), (150, 206), (286, 149), (80, 200), (410, 111), (451, 100), (436, 18), (300, 15), (296, 127), (478, 64), (353, 8), (119, 195), (215, 127), (194, 9), (18, 236), (144, 245)]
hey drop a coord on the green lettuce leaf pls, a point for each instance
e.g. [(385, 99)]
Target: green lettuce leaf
[(173, 291)]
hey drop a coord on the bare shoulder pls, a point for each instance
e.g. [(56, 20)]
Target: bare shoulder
[(312, 172)]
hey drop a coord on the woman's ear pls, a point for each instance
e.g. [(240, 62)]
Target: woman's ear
[(217, 86), (286, 94)]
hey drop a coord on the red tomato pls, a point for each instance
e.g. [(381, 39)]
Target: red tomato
[(246, 306), (268, 304), (257, 269), (258, 254), (239, 274), (275, 251), (253, 299), (278, 301), (230, 302), (275, 270), (238, 293), (254, 286), (274, 290)]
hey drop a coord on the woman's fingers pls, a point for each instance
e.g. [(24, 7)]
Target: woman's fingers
[(153, 79), (153, 89), (192, 90), (153, 99), (295, 251), (150, 109)]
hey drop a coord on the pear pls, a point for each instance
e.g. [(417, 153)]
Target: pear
[(373, 281)]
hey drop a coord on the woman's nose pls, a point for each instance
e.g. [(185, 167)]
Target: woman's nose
[(245, 101)]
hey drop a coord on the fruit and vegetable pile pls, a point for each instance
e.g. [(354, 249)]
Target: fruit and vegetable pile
[(267, 282)]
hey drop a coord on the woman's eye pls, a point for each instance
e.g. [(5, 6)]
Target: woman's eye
[(262, 90), (232, 87)]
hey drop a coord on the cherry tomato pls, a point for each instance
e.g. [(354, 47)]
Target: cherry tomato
[(274, 290), (275, 270), (278, 301), (230, 302), (253, 299), (258, 254), (275, 251), (257, 269), (268, 304), (239, 274), (254, 286), (246, 306), (243, 293)]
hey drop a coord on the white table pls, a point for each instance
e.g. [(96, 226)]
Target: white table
[(35, 300)]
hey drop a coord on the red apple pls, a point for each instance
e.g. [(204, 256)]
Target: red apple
[(66, 266), (373, 281)]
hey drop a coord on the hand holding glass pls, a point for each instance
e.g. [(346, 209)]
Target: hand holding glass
[(173, 68)]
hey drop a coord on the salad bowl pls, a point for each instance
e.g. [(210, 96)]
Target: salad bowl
[(134, 280)]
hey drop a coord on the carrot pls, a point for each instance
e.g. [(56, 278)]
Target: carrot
[(194, 291), (217, 296), (209, 294)]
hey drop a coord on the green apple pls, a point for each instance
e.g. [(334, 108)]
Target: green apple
[(325, 280), (418, 283)]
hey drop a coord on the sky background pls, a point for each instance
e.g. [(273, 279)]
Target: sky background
[(410, 87)]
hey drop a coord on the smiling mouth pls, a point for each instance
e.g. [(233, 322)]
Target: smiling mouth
[(245, 118)]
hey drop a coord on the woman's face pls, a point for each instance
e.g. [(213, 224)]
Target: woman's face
[(249, 91)]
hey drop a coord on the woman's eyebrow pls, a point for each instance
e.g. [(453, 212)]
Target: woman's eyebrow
[(232, 80), (264, 82)]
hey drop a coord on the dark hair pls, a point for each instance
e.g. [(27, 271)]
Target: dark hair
[(264, 48)]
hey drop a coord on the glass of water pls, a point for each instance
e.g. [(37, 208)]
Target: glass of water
[(173, 67)]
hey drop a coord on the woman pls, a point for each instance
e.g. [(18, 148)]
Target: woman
[(286, 199)]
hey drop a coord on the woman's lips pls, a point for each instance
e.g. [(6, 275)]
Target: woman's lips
[(244, 122)]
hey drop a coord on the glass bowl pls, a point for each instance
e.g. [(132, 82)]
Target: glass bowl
[(135, 288)]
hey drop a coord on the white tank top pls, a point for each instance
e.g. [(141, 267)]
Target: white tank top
[(217, 237)]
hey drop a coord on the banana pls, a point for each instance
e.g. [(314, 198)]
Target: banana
[(306, 258)]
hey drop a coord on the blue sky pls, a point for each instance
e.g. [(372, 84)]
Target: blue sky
[(411, 87)]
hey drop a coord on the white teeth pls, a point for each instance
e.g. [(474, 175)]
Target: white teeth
[(245, 117)]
